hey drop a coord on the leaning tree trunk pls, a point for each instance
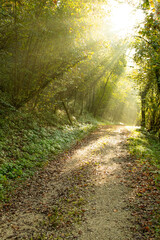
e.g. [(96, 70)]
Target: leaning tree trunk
[(75, 100), (67, 112), (143, 106), (103, 93), (93, 99), (82, 105), (143, 103)]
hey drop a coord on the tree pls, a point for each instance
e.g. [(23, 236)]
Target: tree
[(147, 56)]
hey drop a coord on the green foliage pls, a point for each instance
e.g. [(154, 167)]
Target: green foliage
[(147, 56), (34, 35), (57, 65), (146, 147), (55, 52), (145, 4), (26, 145)]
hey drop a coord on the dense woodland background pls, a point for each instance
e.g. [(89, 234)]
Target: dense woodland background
[(56, 57), (63, 71)]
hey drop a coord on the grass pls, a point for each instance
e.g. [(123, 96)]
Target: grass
[(146, 148), (26, 144)]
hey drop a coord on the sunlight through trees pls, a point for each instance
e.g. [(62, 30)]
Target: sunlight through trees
[(71, 56)]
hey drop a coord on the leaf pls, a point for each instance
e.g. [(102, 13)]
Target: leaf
[(115, 210)]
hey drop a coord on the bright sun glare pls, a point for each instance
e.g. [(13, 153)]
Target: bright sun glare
[(123, 18)]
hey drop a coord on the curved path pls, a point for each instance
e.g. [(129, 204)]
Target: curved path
[(83, 195)]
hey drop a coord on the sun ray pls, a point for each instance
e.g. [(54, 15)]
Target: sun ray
[(123, 18)]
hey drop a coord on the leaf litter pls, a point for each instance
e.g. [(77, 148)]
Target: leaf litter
[(87, 193)]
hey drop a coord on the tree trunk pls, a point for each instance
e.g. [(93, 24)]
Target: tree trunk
[(15, 75), (143, 104), (75, 99), (44, 84), (67, 112), (158, 80), (35, 102), (103, 93), (81, 112), (93, 99)]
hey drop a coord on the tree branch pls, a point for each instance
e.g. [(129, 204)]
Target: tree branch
[(46, 83)]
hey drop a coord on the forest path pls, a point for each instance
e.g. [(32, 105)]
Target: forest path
[(83, 195)]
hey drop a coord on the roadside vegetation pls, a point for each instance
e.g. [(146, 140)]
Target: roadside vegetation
[(145, 178), (56, 73), (63, 69), (28, 143)]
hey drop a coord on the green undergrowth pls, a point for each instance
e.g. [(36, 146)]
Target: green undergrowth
[(145, 148), (26, 144)]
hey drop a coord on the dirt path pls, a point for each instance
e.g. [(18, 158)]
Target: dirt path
[(81, 196)]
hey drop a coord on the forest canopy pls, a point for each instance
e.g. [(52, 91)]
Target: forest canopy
[(72, 73), (72, 55)]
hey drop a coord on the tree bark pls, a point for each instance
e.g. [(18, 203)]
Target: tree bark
[(75, 100), (81, 112), (100, 100), (143, 104), (15, 75), (158, 80), (45, 84), (67, 112)]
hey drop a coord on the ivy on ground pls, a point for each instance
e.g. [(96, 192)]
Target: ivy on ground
[(27, 145), (144, 174)]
